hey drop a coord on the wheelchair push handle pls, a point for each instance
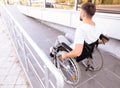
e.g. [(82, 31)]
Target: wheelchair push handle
[(104, 38)]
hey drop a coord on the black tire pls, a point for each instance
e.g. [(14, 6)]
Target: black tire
[(51, 55), (97, 59)]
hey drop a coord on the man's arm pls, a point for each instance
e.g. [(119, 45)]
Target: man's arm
[(74, 53)]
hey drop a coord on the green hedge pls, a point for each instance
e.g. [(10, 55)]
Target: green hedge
[(117, 2)]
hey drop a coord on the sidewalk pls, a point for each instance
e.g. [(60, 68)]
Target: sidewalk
[(11, 72)]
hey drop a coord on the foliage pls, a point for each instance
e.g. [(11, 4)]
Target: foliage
[(65, 1)]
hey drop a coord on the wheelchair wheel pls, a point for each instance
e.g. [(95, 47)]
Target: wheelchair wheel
[(70, 70), (97, 61)]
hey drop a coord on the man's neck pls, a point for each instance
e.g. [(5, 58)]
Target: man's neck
[(89, 21)]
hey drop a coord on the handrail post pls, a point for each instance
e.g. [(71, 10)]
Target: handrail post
[(46, 77)]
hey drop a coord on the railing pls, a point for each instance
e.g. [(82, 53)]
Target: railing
[(39, 70)]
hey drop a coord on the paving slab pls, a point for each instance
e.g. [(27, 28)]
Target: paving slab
[(11, 72)]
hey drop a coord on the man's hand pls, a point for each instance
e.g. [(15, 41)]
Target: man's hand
[(74, 53), (103, 39), (63, 56)]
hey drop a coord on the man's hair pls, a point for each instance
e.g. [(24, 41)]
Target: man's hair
[(90, 8)]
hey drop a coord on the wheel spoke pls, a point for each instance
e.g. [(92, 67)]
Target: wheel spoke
[(69, 70)]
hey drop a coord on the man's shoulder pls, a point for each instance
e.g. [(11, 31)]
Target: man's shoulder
[(82, 26)]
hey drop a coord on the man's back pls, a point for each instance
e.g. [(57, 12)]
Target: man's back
[(88, 33)]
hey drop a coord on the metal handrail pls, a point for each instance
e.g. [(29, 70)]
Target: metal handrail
[(40, 53)]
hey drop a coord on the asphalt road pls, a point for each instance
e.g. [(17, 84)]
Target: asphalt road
[(44, 37)]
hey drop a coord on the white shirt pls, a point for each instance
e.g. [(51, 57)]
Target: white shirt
[(87, 33)]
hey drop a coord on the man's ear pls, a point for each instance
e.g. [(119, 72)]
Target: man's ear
[(84, 14)]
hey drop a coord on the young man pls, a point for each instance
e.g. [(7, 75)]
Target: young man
[(88, 31)]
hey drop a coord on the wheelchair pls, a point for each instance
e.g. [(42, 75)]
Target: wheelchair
[(91, 58)]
